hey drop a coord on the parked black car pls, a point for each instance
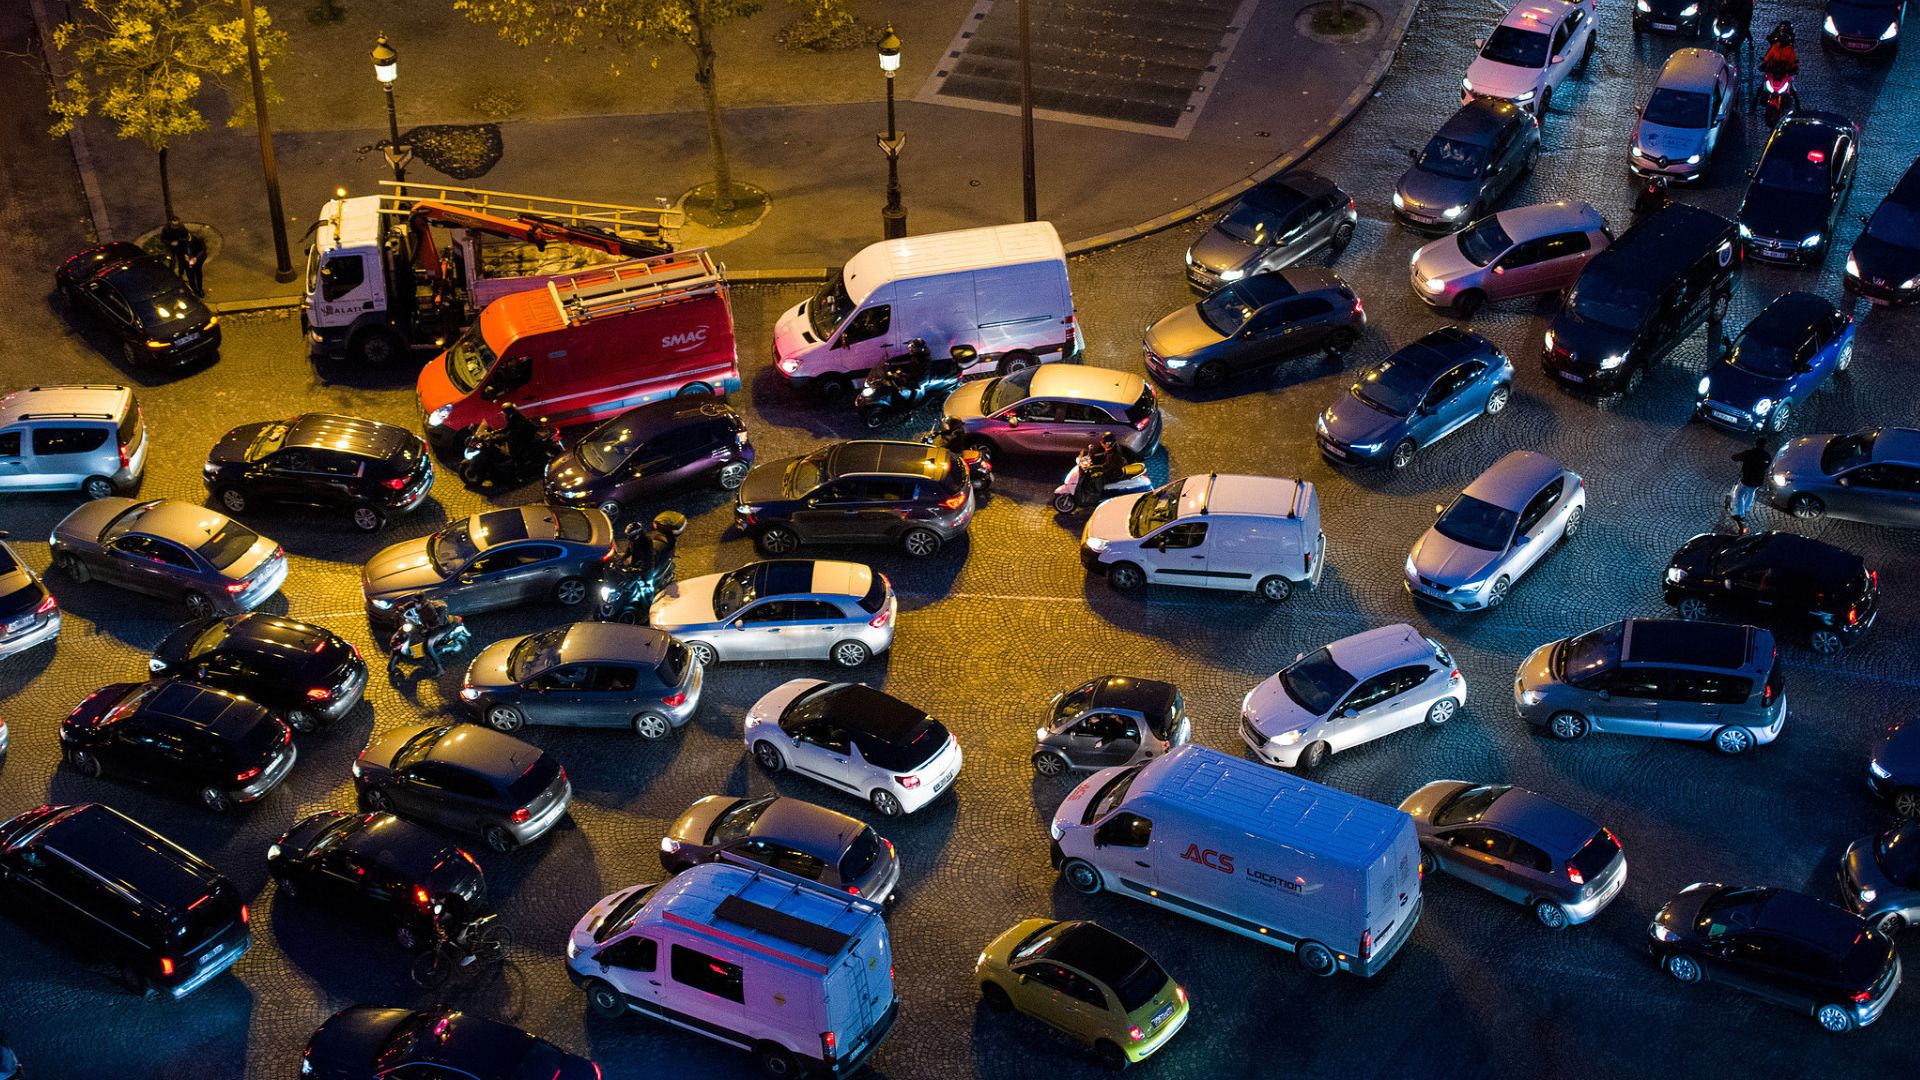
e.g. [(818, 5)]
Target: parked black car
[(178, 734), (442, 1044), (465, 778), (1798, 187), (1776, 579), (868, 491), (367, 470), (1783, 946), (120, 891), (1885, 262), (1279, 222), (1640, 298), (306, 673), (1253, 324), (159, 322), (650, 450), (379, 867), (1893, 772)]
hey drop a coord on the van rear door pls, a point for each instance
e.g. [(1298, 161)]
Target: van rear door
[(1021, 306), (1392, 901), (859, 991)]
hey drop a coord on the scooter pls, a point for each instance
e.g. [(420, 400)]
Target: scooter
[(409, 641), (1778, 97), (1072, 495), (1723, 31), (486, 460), (979, 466), (894, 387), (626, 593)]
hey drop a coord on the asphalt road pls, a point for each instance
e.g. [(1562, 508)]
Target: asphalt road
[(992, 627)]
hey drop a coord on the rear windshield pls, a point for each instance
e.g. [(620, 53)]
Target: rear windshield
[(225, 547), (876, 597), (574, 525), (912, 751), (1137, 987), (8, 564), (1469, 805), (1142, 408), (1790, 168), (1164, 723), (130, 423), (1593, 859), (538, 777), (673, 665), (860, 856), (207, 918)]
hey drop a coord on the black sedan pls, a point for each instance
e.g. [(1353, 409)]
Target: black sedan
[(378, 867), (1864, 27), (1798, 188), (363, 469), (364, 1041), (1893, 772), (172, 733), (308, 674), (159, 322), (1884, 264), (1778, 580), (1788, 948)]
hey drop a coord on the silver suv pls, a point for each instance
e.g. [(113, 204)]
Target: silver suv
[(89, 439)]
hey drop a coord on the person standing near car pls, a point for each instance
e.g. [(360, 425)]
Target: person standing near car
[(195, 264), (1754, 462), (174, 237)]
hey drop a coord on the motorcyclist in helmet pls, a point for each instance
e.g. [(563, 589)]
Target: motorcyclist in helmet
[(424, 622), (1651, 196), (1782, 60), (1104, 465), (952, 434), (520, 436)]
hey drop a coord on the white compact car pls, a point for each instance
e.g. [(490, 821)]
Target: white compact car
[(785, 609), (1351, 692), (1496, 530), (1531, 52), (850, 736)]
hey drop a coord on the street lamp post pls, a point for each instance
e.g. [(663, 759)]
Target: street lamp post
[(893, 217), (1028, 188), (386, 68)]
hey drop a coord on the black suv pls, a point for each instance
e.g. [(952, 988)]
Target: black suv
[(366, 469), (1776, 579), (122, 892), (159, 321), (868, 491), (174, 733), (308, 674), (1641, 297), (380, 867), (650, 450)]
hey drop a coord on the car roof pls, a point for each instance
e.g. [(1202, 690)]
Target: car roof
[(1479, 120), (1788, 914), (1086, 383), (1897, 444), (1439, 350), (816, 830), (1545, 219), (870, 456), (133, 856), (396, 844), (1726, 646), (261, 634), (1664, 243), (469, 1042), (495, 527), (604, 642), (809, 577), (144, 276), (674, 413), (1094, 950), (859, 707), (1540, 821), (349, 434), (103, 401), (1305, 279), (485, 752), (1233, 493), (1146, 696), (1804, 555), (1790, 314), (1511, 481), (1383, 647), (220, 714), (761, 911), (1691, 69), (182, 522), (1536, 14)]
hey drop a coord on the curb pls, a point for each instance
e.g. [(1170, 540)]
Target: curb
[(43, 24)]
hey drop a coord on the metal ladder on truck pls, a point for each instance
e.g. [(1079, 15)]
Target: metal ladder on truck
[(618, 288), (660, 222)]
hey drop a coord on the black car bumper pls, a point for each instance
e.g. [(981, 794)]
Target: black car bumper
[(201, 346), (1783, 252), (1342, 454), (1879, 291), (1861, 45), (1603, 381)]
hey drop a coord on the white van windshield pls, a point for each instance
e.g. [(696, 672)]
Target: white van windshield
[(829, 307), (1111, 796)]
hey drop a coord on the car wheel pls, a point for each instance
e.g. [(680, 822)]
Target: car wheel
[(303, 721), (1275, 588), (1468, 302), (570, 591), (1533, 158), (1314, 757), (1551, 915), (1890, 924), (983, 447), (1782, 416), (768, 755), (198, 606), (376, 800), (874, 417), (995, 998), (1824, 641), (1340, 341), (1048, 763), (1442, 711), (696, 389), (776, 540), (920, 543), (1017, 360), (499, 839), (74, 568), (1845, 359), (1497, 595), (1635, 380), (833, 390), (775, 1061), (1807, 507), (1586, 57), (1545, 107), (368, 519), (652, 726), (505, 718), (1110, 1054), (1126, 577), (1684, 968), (604, 999), (611, 508), (232, 500), (1428, 865), (1210, 374), (1081, 875), (1733, 740), (1692, 608), (406, 937), (1906, 802), (131, 355), (216, 800), (287, 886), (850, 654), (1403, 454), (1316, 959), (1498, 400), (1572, 528), (1835, 1018), (96, 487), (84, 763), (376, 348), (885, 803), (732, 475), (1567, 725), (1342, 236)]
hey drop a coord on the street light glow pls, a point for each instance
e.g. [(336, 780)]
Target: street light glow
[(890, 52), (386, 62)]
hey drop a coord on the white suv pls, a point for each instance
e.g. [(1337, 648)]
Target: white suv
[(67, 438), (1530, 53), (850, 736)]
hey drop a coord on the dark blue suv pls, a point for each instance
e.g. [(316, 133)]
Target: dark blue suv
[(1414, 398)]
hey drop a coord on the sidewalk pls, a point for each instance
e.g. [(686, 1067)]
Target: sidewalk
[(1279, 95)]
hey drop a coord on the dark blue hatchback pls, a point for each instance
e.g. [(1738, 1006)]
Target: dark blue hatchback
[(1414, 398), (1782, 356)]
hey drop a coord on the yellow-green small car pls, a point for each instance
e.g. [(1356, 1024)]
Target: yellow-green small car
[(1087, 981)]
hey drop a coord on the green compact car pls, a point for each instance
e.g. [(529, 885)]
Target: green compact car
[(1087, 981)]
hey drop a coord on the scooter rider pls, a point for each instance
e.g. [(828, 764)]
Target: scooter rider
[(952, 435), (649, 548), (520, 436), (1782, 60), (424, 623), (1104, 465)]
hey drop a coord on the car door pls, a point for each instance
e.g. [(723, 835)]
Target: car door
[(281, 476), (759, 631), (1076, 424), (1177, 554), (1562, 258), (1402, 706), (420, 792), (64, 455), (1031, 427), (1753, 591), (1888, 493), (611, 696), (1099, 740), (1697, 700), (468, 589), (1356, 719), (1519, 270), (1286, 329), (1478, 854), (242, 675), (831, 512), (15, 471), (1533, 535), (336, 877), (557, 695), (1456, 401), (824, 751), (1127, 838), (632, 966), (1630, 702), (108, 304), (517, 573), (1560, 57), (812, 628), (865, 340)]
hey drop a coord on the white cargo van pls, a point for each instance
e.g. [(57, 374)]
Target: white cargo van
[(1332, 876), (798, 974), (1001, 291), (1256, 534)]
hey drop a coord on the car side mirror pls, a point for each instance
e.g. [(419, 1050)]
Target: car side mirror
[(1498, 269), (1349, 713), (1023, 978), (1438, 509), (1013, 421), (468, 579), (1521, 541), (1844, 481)]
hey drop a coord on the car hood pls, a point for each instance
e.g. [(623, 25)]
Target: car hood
[(1799, 460), (88, 519), (1272, 712), (1443, 259), (1450, 562), (232, 447), (1738, 386), (402, 567), (351, 1039), (1779, 214), (1587, 342), (565, 473), (766, 482), (1431, 192), (1899, 751), (1181, 332), (1421, 804), (489, 668), (1354, 422), (793, 332), (1679, 913), (1884, 263), (1672, 143), (1861, 20), (1696, 555), (965, 403), (1491, 78), (1216, 251), (691, 827), (685, 603), (1109, 519), (1859, 869)]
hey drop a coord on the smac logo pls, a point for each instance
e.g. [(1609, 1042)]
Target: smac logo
[(1209, 858), (688, 341)]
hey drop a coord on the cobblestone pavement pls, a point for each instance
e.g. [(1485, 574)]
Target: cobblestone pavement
[(992, 627)]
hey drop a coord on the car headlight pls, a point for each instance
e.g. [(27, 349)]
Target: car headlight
[(1705, 381), (1549, 341), (1412, 571), (1175, 361), (1287, 738), (1608, 363), (439, 415), (1367, 447), (1676, 575), (1780, 479), (1466, 86), (1398, 202), (1531, 697), (669, 846), (748, 509), (1452, 213), (1853, 268), (1641, 5), (1892, 31), (606, 592), (209, 469), (1693, 159), (273, 851), (356, 770), (1233, 275), (1763, 406), (1039, 734), (380, 605), (1910, 284), (1813, 241), (1434, 284), (1745, 233), (1320, 423), (1867, 896), (573, 951), (1879, 770), (1690, 11), (156, 665), (306, 1067), (1096, 543), (1522, 99), (1054, 830), (469, 693), (1662, 932)]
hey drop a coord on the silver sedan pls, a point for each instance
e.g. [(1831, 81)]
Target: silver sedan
[(1495, 531), (1870, 476), (170, 549), (1518, 252), (784, 609), (494, 560)]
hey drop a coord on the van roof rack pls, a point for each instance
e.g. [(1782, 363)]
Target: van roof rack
[(779, 924), (618, 288)]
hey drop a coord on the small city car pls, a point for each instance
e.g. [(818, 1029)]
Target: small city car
[(1779, 579), (587, 674), (1520, 252), (29, 614), (363, 469), (1424, 392), (159, 321), (1350, 692), (1798, 188), (1108, 721), (798, 837), (850, 736), (1689, 17), (464, 778), (1495, 531), (652, 450), (1533, 50), (1089, 982), (367, 1040), (306, 673), (495, 559), (1698, 682), (1681, 123), (1880, 878), (1864, 27), (1057, 409), (380, 868), (1280, 221), (1480, 152), (783, 609), (870, 491), (90, 439), (1871, 476), (1519, 846), (1784, 947), (1884, 265), (1893, 772), (200, 558), (121, 892), (222, 748), (1258, 534), (1789, 350), (1255, 323)]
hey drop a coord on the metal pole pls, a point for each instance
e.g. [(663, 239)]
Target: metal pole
[(1026, 116), (283, 262), (394, 156), (893, 218)]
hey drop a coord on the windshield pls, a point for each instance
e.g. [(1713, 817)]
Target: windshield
[(1226, 311), (1847, 451), (734, 589), (1763, 354), (1477, 524), (607, 448), (622, 915), (1677, 108), (1517, 46), (860, 856), (1316, 683), (1469, 804), (1597, 298), (737, 823), (829, 307), (225, 546), (1254, 224), (1393, 388), (1155, 508), (1898, 853), (1074, 702), (1139, 985), (535, 654), (1114, 795), (1591, 653), (1734, 909), (1452, 158), (1001, 393), (208, 639), (1788, 168), (452, 548), (1896, 223), (469, 360), (1484, 241)]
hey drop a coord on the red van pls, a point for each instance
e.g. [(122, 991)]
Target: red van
[(588, 347)]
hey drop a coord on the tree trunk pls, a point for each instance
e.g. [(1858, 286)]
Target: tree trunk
[(703, 74), (166, 188)]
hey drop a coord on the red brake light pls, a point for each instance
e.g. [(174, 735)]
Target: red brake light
[(522, 815), (853, 890), (908, 782), (674, 701), (420, 897), (829, 1042), (125, 458), (1181, 991), (881, 618), (1366, 944), (608, 557), (956, 500), (246, 776), (1863, 996), (1574, 875), (1136, 1034), (238, 586), (319, 693), (1816, 156), (1067, 349), (46, 605), (1610, 836), (396, 483), (245, 915), (1853, 616), (166, 966), (1358, 307)]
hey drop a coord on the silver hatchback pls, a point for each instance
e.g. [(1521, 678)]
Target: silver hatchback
[(1495, 531), (1871, 476), (816, 843), (1108, 721), (1519, 252), (1520, 846), (783, 609), (1350, 692)]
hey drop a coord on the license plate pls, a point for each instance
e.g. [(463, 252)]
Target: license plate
[(1858, 46), (1572, 376), (1161, 1016), (1727, 416), (1334, 450), (20, 624), (187, 339), (1666, 26), (944, 781)]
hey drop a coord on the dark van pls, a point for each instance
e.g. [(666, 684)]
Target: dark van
[(1641, 297)]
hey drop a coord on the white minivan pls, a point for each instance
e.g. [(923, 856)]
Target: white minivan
[(1001, 291), (1257, 534), (795, 973)]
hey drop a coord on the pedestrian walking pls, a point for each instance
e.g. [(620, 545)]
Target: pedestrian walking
[(196, 264), (1754, 463), (175, 237)]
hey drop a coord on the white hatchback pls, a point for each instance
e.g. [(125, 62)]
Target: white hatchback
[(852, 737), (1351, 692), (1531, 52)]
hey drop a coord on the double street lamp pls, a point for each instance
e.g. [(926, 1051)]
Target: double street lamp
[(386, 68), (893, 217)]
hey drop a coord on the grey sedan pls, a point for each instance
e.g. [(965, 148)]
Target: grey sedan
[(1519, 845), (1520, 252), (1880, 878), (784, 609), (1480, 152), (494, 560), (589, 674), (814, 842), (1057, 409), (1495, 531), (1277, 223), (163, 547), (464, 778), (1871, 476)]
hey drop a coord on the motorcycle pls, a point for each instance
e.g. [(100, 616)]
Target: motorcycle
[(1723, 31), (1072, 495), (1778, 97), (626, 591), (410, 641), (486, 459), (979, 466), (900, 385)]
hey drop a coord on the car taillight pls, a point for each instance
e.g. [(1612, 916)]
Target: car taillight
[(396, 483), (1366, 944), (881, 618), (853, 890), (1136, 1034), (829, 1044), (1358, 307), (1853, 616), (1863, 996), (1180, 992), (908, 782), (1574, 875), (956, 500), (248, 775), (166, 966), (608, 557), (46, 605), (319, 693), (522, 815), (238, 586), (1454, 675), (1067, 349), (420, 897), (246, 916), (674, 701), (1307, 561)]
